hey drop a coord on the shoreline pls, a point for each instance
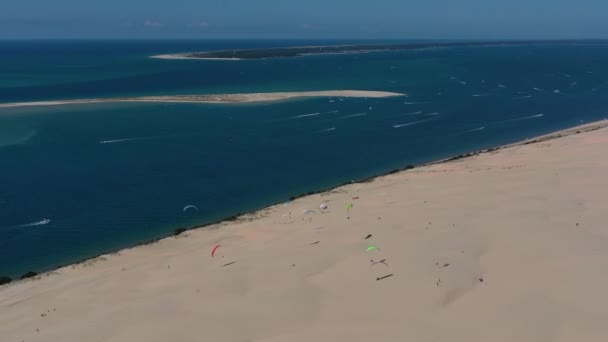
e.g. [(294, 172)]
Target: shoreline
[(213, 98), (257, 214), (588, 127)]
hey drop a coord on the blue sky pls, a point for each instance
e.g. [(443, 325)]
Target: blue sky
[(303, 19)]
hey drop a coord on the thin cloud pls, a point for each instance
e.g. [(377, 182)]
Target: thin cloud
[(200, 24), (152, 23)]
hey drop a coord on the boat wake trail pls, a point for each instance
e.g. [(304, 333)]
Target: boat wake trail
[(327, 130), (518, 119), (415, 103), (475, 129), (353, 115), (480, 95), (527, 117), (126, 140), (313, 114), (304, 115), (34, 224), (411, 123)]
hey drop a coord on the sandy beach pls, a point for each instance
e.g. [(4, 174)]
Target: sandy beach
[(214, 98), (508, 245)]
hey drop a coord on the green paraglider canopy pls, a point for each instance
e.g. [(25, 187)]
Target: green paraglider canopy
[(371, 248)]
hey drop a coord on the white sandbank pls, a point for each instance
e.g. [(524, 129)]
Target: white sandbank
[(213, 98)]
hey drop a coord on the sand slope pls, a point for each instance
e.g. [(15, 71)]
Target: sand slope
[(504, 246)]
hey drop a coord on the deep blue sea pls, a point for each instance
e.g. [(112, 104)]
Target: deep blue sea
[(99, 197)]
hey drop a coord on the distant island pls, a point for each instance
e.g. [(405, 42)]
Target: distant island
[(342, 49)]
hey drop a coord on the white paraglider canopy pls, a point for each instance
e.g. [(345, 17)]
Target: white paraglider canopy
[(190, 207)]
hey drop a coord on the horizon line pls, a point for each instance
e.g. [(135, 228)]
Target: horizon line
[(298, 38)]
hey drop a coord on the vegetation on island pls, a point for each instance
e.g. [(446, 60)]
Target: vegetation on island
[(317, 50)]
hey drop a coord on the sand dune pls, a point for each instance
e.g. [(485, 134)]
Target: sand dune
[(509, 245), (214, 98)]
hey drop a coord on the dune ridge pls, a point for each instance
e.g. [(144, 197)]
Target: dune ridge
[(507, 245)]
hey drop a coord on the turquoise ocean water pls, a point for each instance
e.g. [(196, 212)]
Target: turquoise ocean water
[(80, 180)]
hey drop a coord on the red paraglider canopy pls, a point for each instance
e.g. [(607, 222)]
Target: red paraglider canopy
[(215, 249)]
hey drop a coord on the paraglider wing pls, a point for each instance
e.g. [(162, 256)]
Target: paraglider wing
[(214, 250), (371, 248), (383, 261), (193, 207)]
